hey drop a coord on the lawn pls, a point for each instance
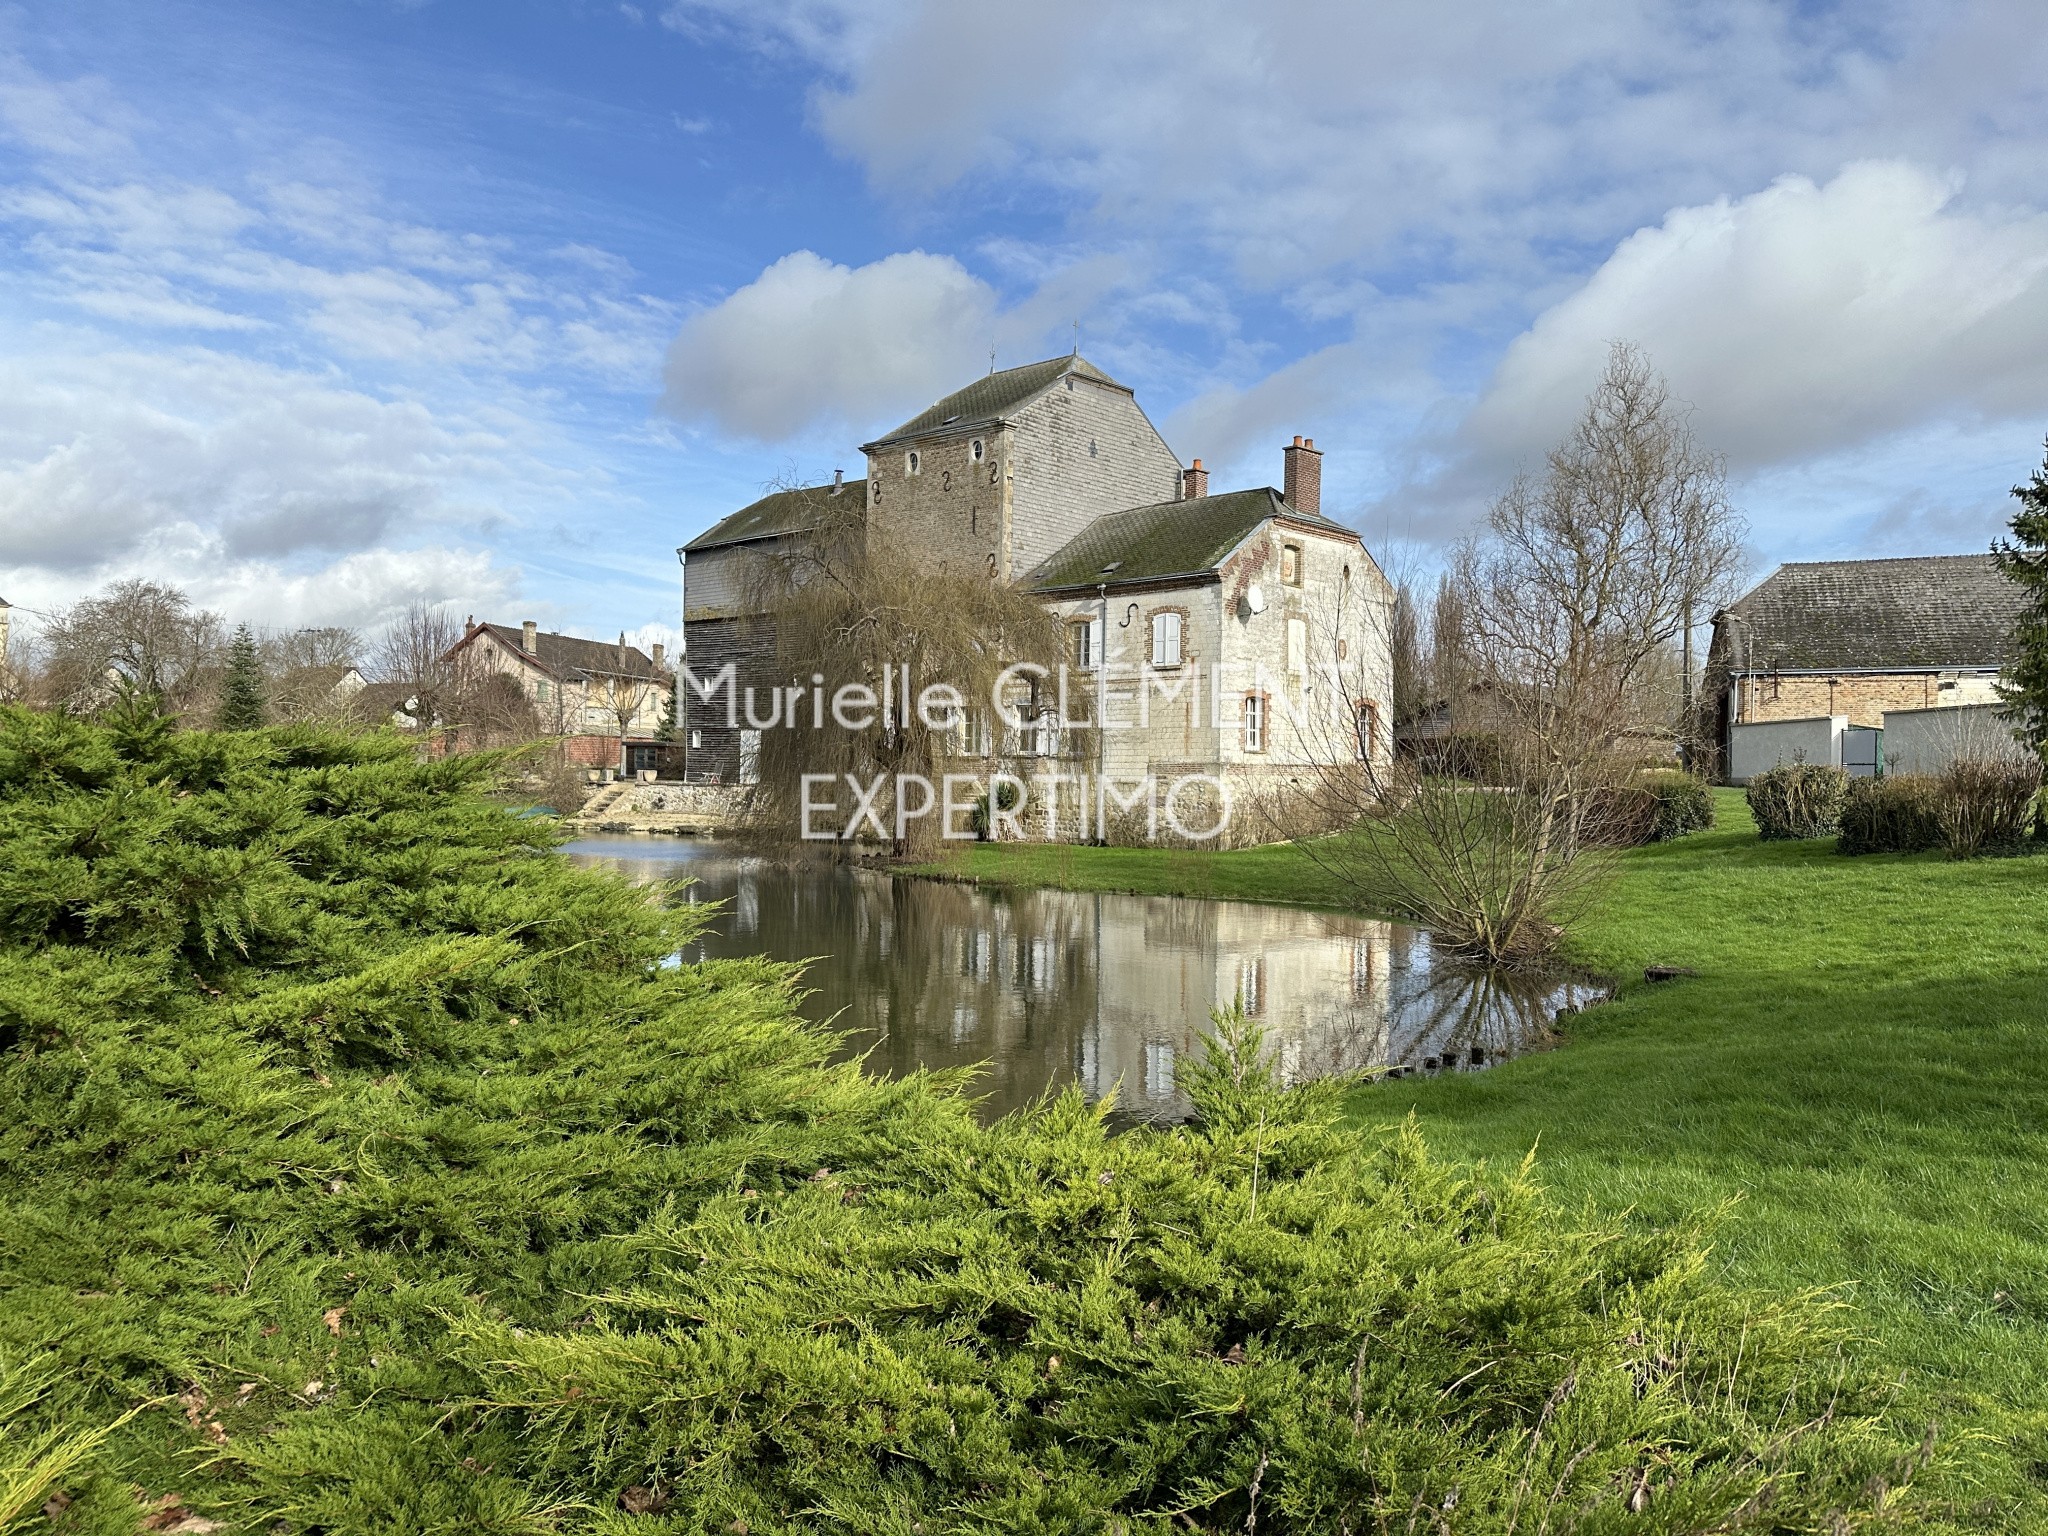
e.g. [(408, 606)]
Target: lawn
[(1856, 1073)]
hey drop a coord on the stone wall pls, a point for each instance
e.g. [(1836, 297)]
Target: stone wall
[(954, 510), (1863, 697), (678, 808)]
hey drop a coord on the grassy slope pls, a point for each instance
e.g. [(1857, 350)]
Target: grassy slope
[(1859, 1065)]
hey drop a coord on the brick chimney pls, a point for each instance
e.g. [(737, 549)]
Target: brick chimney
[(1304, 480), (529, 632), (1194, 481), (660, 650)]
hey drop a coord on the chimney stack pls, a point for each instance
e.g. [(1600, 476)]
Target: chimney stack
[(529, 636), (1194, 481), (660, 650), (1304, 478), (838, 481)]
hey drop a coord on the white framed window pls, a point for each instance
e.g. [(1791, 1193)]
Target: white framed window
[(1045, 734), (1166, 637), (1254, 722), (913, 463), (696, 740), (976, 451), (970, 734), (1297, 647), (1087, 644)]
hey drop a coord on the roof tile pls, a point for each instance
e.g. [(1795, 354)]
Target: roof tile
[(1169, 538), (1881, 615)]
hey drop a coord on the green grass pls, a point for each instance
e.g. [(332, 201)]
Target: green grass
[(1857, 1072)]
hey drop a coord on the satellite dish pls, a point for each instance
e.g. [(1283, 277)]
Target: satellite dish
[(1255, 598)]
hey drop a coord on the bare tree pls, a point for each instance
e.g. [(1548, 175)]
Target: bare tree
[(1587, 575), (1553, 641), (448, 689), (1413, 695), (143, 634), (306, 669), (625, 692)]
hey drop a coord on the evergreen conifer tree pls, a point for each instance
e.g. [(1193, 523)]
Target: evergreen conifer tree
[(2024, 559), (241, 698), (665, 733)]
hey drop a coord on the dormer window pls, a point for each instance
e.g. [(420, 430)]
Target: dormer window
[(975, 450), (913, 463)]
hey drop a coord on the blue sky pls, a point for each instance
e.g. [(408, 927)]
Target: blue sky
[(320, 308)]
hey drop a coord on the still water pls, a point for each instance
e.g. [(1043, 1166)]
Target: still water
[(1046, 988)]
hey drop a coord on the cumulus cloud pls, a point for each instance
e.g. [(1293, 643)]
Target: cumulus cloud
[(810, 341), (101, 453), (1800, 320), (1305, 134)]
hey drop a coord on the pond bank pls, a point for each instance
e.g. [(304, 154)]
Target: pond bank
[(1853, 1077)]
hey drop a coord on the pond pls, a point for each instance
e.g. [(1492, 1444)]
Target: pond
[(1045, 988)]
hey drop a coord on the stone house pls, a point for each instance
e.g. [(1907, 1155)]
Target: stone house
[(1241, 635), (607, 699), (1858, 638)]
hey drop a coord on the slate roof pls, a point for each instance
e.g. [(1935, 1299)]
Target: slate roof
[(566, 654), (988, 400), (1171, 538), (776, 513), (1936, 611)]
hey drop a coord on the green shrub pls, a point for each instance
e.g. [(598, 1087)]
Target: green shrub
[(1797, 800), (1681, 803), (389, 1167), (1005, 793), (1895, 814), (1986, 805)]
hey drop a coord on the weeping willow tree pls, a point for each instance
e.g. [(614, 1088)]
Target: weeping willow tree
[(897, 667)]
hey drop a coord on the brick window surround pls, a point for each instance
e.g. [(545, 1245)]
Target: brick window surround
[(1153, 626)]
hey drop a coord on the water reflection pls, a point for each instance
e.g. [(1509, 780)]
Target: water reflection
[(1113, 992)]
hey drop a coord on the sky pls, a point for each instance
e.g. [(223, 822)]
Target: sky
[(317, 308)]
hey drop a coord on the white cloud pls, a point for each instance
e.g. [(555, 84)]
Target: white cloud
[(1801, 320), (102, 452), (809, 341), (1300, 135)]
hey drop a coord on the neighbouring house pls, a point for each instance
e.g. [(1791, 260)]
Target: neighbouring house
[(606, 698), (1249, 630), (1856, 639)]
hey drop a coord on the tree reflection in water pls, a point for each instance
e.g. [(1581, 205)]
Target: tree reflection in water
[(1039, 989)]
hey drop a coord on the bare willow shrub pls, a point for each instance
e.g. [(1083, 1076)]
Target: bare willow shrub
[(1986, 804), (850, 609), (1557, 625)]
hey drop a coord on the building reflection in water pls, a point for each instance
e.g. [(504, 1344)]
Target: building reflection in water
[(1046, 988)]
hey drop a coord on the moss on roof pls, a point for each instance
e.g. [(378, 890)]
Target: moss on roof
[(1170, 538), (1929, 611), (990, 399), (776, 513)]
